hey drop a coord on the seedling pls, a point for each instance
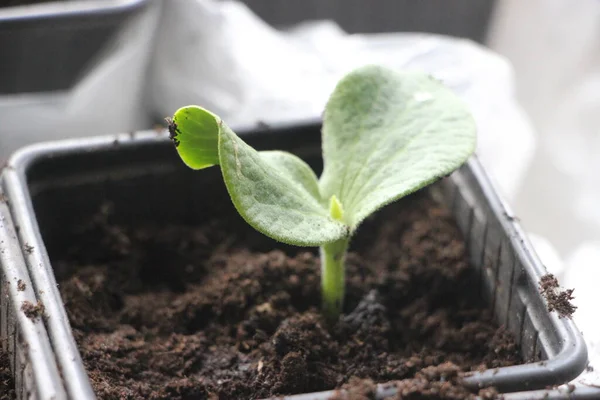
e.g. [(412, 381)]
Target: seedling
[(385, 135)]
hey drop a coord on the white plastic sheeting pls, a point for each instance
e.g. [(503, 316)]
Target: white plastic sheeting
[(221, 56)]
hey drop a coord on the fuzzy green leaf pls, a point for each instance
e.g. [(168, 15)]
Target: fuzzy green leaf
[(275, 192), (387, 134), (295, 168)]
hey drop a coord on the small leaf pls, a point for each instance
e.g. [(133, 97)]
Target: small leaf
[(197, 147), (387, 134), (275, 192), (335, 209)]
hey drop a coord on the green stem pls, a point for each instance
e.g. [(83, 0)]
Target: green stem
[(333, 258)]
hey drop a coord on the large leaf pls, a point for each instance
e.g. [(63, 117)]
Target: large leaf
[(387, 134), (275, 192)]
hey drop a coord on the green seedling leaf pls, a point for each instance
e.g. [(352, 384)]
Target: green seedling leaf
[(275, 192), (386, 134), (195, 132)]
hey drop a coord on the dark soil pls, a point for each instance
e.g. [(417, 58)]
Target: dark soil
[(218, 311), (33, 311), (558, 300), (21, 286), (356, 389), (435, 382), (7, 385)]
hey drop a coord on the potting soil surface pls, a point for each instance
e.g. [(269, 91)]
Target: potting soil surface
[(218, 311)]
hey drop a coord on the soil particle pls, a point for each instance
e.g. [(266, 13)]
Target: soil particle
[(28, 248), (33, 311), (356, 389), (558, 300), (589, 368), (7, 385), (3, 198), (217, 310), (173, 131), (21, 286)]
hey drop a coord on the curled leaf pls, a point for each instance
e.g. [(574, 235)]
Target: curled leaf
[(275, 192)]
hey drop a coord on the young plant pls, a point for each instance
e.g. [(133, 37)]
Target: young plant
[(385, 134)]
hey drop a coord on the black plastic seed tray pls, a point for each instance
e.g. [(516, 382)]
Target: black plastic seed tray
[(49, 46), (141, 173)]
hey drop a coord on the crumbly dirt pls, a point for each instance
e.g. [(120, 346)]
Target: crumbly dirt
[(7, 385), (439, 382), (435, 382), (218, 311), (558, 300), (21, 286), (356, 389), (28, 248), (33, 311)]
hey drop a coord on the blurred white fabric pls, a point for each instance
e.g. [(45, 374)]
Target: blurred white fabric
[(219, 55), (557, 64), (554, 46), (108, 99), (583, 274)]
